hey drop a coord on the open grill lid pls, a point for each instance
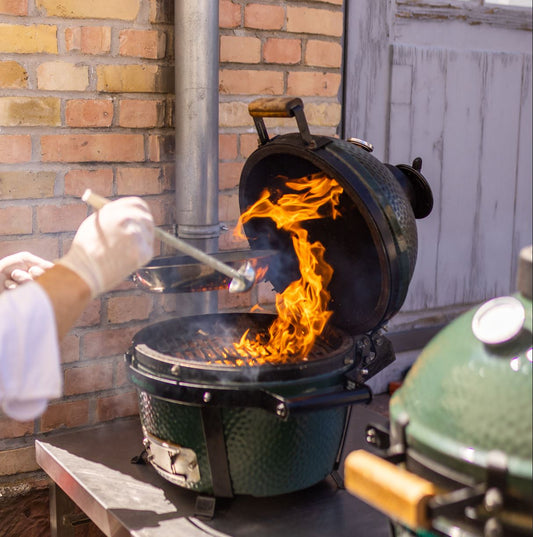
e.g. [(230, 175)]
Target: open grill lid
[(372, 247)]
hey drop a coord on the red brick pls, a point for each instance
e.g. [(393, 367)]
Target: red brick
[(229, 174), (89, 39), (89, 378), (64, 217), (70, 349), (323, 54), (95, 39), (248, 143), (92, 148), (228, 206), (73, 39), (162, 209), (142, 43), (14, 7), (89, 113), (141, 114), (246, 82), (91, 315), (47, 248), (65, 414), (77, 181), (314, 21), (313, 84), (138, 181), (12, 429), (121, 374), (227, 146), (229, 14), (109, 342), (15, 220), (15, 148), (288, 51), (264, 17), (238, 49), (117, 406), (161, 148), (122, 309)]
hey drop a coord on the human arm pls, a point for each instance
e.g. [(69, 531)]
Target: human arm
[(109, 245), (68, 294)]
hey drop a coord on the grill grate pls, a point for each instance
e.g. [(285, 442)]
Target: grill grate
[(212, 342)]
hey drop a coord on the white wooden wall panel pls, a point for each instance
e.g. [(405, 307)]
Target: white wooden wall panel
[(367, 81), (460, 111), (419, 134), (493, 239), (522, 224)]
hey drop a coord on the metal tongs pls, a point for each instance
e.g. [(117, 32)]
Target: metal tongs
[(242, 279)]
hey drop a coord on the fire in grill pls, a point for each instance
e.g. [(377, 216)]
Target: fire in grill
[(213, 342)]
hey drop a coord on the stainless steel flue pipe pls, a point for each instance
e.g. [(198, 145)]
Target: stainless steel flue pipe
[(196, 117)]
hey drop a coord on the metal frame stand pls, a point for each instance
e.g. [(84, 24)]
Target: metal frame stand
[(64, 513)]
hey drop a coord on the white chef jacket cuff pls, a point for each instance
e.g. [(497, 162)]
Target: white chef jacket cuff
[(30, 370)]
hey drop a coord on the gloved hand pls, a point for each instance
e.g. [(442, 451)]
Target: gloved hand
[(111, 244), (19, 268)]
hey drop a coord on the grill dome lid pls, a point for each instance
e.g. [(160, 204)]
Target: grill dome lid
[(372, 247), (468, 394)]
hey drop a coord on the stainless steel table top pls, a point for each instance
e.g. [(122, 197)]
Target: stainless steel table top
[(123, 499)]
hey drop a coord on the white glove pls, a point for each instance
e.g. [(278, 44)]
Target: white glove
[(19, 268), (111, 244)]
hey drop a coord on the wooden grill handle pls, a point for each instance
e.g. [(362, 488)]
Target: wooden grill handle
[(274, 106), (401, 495)]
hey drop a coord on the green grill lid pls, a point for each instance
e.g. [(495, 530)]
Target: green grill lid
[(470, 391)]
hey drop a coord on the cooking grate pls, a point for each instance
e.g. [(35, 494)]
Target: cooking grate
[(208, 341)]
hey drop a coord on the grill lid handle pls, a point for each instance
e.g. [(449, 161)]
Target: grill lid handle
[(280, 107)]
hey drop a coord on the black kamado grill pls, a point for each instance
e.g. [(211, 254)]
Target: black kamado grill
[(216, 425)]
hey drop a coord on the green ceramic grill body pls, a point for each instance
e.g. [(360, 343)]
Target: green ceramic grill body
[(267, 454), (464, 398)]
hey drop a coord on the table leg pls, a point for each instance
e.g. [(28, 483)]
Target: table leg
[(64, 514)]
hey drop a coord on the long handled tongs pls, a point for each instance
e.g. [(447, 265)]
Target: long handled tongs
[(242, 279)]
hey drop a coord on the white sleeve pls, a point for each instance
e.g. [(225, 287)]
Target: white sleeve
[(30, 372)]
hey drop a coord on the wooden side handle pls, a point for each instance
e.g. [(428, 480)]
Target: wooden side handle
[(401, 495), (274, 107)]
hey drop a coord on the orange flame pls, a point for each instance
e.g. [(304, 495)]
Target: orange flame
[(302, 307)]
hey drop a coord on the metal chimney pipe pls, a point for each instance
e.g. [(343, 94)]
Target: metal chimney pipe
[(196, 87)]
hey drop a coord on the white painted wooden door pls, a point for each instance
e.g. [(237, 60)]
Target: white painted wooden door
[(450, 82)]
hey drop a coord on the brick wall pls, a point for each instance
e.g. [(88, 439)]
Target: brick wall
[(86, 101), (272, 48)]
